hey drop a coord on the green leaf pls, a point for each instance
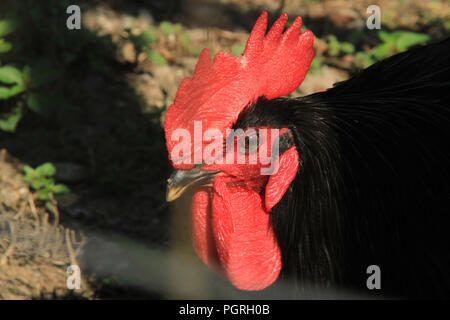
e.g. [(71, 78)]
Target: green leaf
[(10, 122), (6, 27), (8, 92), (331, 38), (166, 27), (44, 194), (315, 66), (408, 39), (184, 39), (385, 36), (157, 58), (46, 169), (177, 27), (347, 47), (30, 177), (5, 93), (146, 38), (238, 49), (447, 25), (39, 103), (28, 171), (47, 182), (10, 75), (363, 59), (382, 51), (5, 46), (212, 52), (194, 50), (36, 183), (333, 51), (333, 45), (60, 188), (40, 182)]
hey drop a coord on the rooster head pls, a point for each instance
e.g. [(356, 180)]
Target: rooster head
[(224, 159)]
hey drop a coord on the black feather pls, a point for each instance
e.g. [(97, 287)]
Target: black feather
[(373, 179)]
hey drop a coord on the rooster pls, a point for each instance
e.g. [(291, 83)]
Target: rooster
[(361, 175)]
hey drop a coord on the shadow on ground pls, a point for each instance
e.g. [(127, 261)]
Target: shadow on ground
[(98, 124)]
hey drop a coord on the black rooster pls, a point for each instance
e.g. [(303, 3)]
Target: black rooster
[(370, 183)]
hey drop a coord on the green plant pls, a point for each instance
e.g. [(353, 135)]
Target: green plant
[(336, 48), (315, 67), (144, 42), (397, 41), (185, 42), (168, 27), (157, 58), (364, 59), (391, 43), (238, 49), (184, 39), (36, 58), (6, 27), (22, 88), (176, 29), (41, 180), (447, 25), (12, 80), (25, 84)]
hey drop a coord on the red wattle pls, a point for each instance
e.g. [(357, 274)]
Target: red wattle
[(242, 239), (202, 237)]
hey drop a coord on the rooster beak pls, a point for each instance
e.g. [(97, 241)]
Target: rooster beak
[(182, 180)]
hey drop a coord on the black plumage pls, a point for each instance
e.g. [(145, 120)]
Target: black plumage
[(373, 181)]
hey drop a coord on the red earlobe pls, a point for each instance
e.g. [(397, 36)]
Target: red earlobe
[(279, 182)]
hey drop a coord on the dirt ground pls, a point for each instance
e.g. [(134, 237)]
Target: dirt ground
[(115, 224)]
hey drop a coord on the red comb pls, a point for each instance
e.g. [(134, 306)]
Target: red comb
[(272, 66)]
